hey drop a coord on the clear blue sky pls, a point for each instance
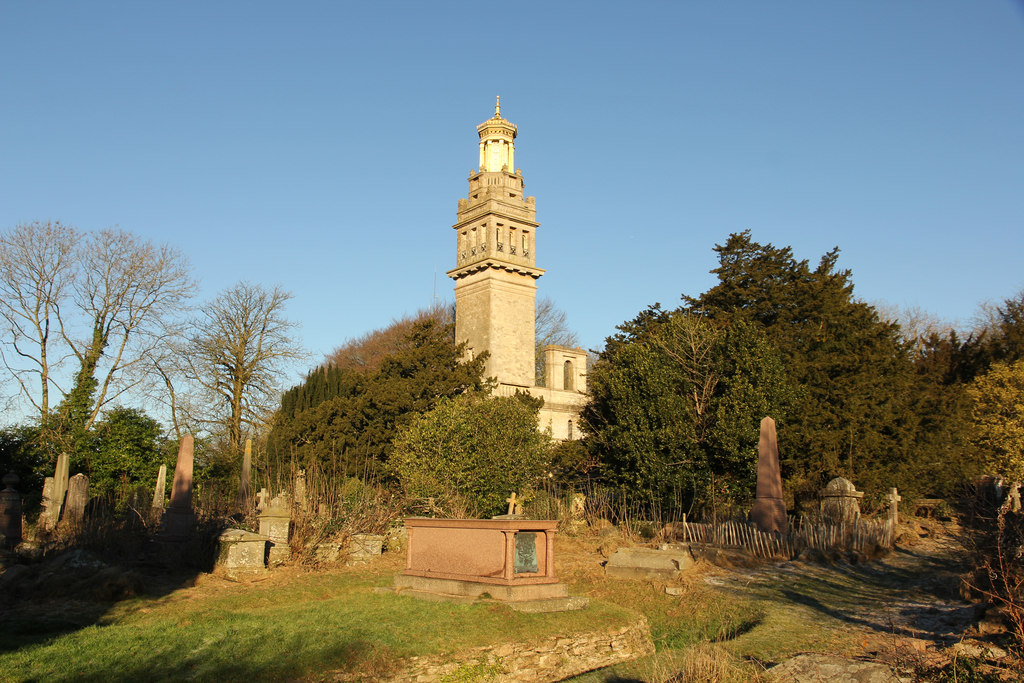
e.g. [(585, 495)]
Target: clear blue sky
[(323, 146)]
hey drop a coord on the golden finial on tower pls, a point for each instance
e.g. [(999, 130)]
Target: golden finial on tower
[(497, 108)]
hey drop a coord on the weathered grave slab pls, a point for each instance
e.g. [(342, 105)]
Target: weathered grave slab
[(648, 563)]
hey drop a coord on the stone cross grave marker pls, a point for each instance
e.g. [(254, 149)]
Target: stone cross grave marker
[(511, 500), (893, 499)]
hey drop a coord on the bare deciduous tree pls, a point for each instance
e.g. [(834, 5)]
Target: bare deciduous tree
[(127, 294), (38, 262), (105, 299), (241, 347)]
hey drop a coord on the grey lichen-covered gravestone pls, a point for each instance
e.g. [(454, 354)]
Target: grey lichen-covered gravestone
[(769, 510), (840, 501), (242, 554), (10, 512), (275, 523), (78, 496)]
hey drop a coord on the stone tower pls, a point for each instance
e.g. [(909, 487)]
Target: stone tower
[(496, 272), (495, 285)]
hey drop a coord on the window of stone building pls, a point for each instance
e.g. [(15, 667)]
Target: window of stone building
[(567, 382)]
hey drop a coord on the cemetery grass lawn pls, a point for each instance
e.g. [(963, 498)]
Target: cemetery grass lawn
[(295, 625)]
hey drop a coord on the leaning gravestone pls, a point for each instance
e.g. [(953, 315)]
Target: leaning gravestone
[(769, 510), (840, 501), (78, 496), (54, 489), (178, 517), (10, 512)]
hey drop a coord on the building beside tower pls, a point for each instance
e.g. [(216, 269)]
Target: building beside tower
[(496, 285)]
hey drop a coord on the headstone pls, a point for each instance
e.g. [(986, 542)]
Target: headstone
[(245, 488), (49, 505), (10, 512), (893, 499), (159, 490), (262, 499), (275, 523), (300, 490), (78, 496), (178, 517), (840, 501), (1014, 497), (769, 510), (515, 510)]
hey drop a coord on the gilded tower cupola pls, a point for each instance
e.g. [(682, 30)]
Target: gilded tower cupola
[(497, 146)]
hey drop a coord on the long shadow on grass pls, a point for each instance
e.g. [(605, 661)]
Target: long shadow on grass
[(919, 592), (76, 583)]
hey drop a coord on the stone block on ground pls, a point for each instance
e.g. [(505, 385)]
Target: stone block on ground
[(364, 547), (813, 668), (647, 563)]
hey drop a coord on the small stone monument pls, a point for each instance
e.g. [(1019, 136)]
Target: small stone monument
[(10, 512), (840, 501), (242, 554), (275, 524), (262, 500), (245, 487), (178, 517), (769, 510)]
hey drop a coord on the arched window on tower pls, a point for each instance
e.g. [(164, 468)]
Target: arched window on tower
[(569, 431), (567, 378)]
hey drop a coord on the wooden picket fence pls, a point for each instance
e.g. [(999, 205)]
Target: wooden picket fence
[(862, 535)]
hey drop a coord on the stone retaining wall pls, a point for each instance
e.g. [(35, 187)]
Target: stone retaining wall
[(551, 659)]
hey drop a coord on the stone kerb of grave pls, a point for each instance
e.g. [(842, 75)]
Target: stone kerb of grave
[(511, 560), (243, 554), (10, 512), (840, 501)]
